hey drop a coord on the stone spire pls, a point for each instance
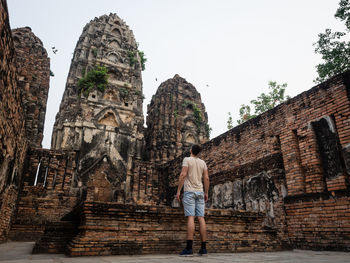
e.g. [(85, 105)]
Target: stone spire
[(33, 68), (103, 120), (176, 119)]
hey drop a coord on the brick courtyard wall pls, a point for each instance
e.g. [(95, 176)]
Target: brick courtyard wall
[(111, 229), (48, 193), (319, 221), (303, 147), (13, 144)]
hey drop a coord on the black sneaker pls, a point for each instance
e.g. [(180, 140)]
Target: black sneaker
[(186, 253), (203, 252)]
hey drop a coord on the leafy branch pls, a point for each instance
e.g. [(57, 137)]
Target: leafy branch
[(263, 103), (334, 50)]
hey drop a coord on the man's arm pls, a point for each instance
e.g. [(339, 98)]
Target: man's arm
[(206, 184), (182, 177)]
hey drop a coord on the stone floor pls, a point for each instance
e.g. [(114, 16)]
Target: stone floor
[(20, 252)]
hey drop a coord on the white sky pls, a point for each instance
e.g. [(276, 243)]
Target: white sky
[(234, 47)]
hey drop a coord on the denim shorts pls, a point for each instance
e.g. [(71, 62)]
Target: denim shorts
[(193, 203)]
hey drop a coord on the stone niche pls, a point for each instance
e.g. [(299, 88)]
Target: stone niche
[(104, 182), (329, 146)]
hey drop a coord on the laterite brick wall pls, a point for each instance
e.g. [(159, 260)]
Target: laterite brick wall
[(303, 146), (13, 144), (48, 192)]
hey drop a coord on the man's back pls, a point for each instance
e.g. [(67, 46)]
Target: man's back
[(196, 167)]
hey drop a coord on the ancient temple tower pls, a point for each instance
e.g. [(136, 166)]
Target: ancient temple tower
[(103, 119), (176, 119), (33, 68)]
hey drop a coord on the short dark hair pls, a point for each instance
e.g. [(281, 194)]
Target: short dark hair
[(196, 149)]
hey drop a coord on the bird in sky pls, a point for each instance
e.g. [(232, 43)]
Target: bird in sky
[(54, 50)]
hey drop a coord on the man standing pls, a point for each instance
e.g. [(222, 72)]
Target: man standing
[(193, 170)]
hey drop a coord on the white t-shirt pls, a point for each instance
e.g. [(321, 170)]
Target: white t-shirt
[(196, 167)]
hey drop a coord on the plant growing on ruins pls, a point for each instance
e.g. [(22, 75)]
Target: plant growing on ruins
[(143, 59), (94, 52), (95, 78), (133, 58), (229, 121), (335, 51), (198, 120), (175, 114), (208, 130), (263, 103), (124, 92)]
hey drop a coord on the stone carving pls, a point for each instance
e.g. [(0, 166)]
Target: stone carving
[(254, 193), (176, 119)]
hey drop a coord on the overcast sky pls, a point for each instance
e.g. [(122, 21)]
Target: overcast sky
[(228, 49)]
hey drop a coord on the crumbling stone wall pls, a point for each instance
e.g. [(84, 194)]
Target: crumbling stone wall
[(49, 191), (52, 187), (33, 68), (291, 163), (110, 229), (146, 188), (13, 143), (176, 119)]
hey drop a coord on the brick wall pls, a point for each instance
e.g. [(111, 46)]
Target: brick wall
[(33, 68), (48, 193), (13, 144), (108, 228), (319, 221), (52, 189), (145, 187), (302, 147)]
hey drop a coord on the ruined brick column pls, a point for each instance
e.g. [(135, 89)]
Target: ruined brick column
[(33, 66), (103, 121), (13, 143), (176, 119)]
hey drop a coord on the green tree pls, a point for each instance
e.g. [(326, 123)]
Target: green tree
[(263, 103), (335, 51)]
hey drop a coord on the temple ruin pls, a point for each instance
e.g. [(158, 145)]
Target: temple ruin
[(107, 185), (176, 119)]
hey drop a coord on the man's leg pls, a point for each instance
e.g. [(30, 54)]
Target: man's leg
[(203, 232), (190, 227), (202, 228), (189, 209), (200, 207)]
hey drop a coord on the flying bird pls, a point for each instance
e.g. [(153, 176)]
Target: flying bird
[(54, 50)]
